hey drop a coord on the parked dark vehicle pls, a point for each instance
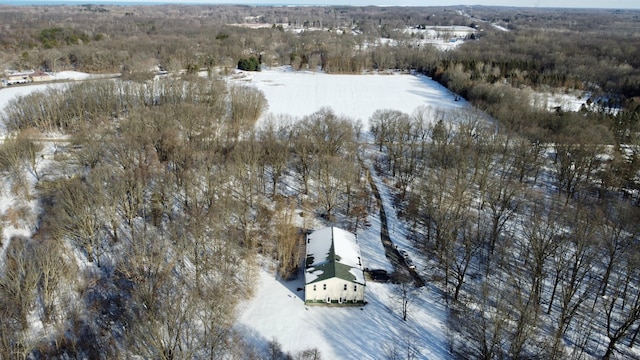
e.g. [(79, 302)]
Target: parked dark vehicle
[(379, 275)]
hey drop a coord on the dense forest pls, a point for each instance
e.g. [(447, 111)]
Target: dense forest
[(170, 195)]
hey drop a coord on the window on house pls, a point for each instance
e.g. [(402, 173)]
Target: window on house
[(355, 287), (345, 286), (314, 288), (324, 286)]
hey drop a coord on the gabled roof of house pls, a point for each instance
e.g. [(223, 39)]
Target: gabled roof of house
[(39, 73), (333, 252)]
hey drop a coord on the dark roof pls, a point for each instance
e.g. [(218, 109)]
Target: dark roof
[(333, 252)]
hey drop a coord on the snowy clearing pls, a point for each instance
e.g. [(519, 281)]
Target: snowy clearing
[(552, 101), (570, 102), (442, 44), (357, 97), (277, 312), (442, 37)]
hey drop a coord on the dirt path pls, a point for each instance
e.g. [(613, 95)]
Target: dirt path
[(402, 271)]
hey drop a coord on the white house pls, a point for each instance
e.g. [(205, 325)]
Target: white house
[(333, 271), (38, 76), (17, 78)]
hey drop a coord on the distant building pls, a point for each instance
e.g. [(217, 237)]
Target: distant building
[(13, 78), (333, 272), (37, 76), (17, 78)]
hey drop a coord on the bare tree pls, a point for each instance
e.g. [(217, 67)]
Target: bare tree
[(18, 286), (309, 354), (574, 262), (77, 218), (621, 306), (19, 281), (483, 323), (403, 296), (389, 128), (540, 239), (467, 244), (403, 348), (29, 141), (54, 269), (288, 239), (274, 139), (247, 104), (14, 155), (333, 171), (617, 233)]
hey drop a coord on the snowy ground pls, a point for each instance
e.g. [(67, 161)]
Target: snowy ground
[(442, 44), (551, 101), (355, 96), (499, 27), (442, 37), (8, 200), (277, 310), (11, 92), (570, 102), (375, 331)]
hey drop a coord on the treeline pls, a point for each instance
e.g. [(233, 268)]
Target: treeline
[(154, 211), (543, 49), (536, 256), (602, 62), (178, 36), (550, 51)]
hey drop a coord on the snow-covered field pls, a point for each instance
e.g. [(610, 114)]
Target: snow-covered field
[(442, 44), (570, 102), (355, 96), (499, 27), (298, 94), (442, 37), (551, 101)]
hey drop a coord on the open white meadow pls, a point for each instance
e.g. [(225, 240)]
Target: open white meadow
[(357, 97)]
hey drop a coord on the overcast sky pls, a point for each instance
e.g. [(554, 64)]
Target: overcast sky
[(613, 4)]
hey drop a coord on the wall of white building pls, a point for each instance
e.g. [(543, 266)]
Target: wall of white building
[(334, 290)]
